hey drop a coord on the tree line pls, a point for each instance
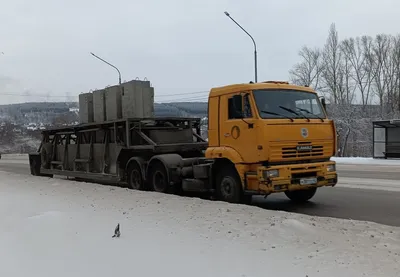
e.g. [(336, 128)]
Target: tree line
[(360, 79)]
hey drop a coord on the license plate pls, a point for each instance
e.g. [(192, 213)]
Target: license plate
[(308, 181)]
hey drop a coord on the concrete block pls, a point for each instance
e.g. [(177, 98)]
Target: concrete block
[(86, 108), (137, 99), (99, 105), (113, 102), (148, 101)]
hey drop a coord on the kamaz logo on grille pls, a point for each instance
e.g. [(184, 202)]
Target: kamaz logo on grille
[(304, 148)]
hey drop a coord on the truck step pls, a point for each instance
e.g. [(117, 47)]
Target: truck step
[(194, 185), (81, 160)]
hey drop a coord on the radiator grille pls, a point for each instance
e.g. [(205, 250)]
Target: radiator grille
[(302, 150)]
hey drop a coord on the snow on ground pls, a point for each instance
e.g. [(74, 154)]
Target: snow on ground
[(361, 160), (54, 227)]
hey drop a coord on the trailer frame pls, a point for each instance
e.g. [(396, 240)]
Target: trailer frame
[(111, 146)]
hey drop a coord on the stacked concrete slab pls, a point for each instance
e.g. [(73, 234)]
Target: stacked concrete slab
[(133, 99), (137, 99), (99, 105), (113, 102), (86, 108)]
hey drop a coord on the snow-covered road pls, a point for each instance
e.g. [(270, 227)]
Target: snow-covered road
[(53, 227)]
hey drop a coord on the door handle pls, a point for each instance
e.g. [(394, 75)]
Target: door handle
[(227, 134)]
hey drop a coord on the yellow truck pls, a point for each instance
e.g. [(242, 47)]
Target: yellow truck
[(270, 137), (263, 138)]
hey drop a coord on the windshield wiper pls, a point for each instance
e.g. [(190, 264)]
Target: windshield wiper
[(267, 112), (289, 110), (293, 112), (307, 111), (308, 119)]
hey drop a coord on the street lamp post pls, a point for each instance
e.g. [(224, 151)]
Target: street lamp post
[(255, 46), (119, 73)]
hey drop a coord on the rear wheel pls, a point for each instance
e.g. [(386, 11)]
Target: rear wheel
[(159, 180), (301, 196), (229, 186), (135, 178)]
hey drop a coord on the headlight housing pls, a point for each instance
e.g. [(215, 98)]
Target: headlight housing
[(331, 167), (272, 173)]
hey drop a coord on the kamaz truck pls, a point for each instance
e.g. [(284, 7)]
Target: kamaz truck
[(263, 138)]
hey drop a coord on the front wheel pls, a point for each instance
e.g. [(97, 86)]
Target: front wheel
[(301, 196), (229, 186)]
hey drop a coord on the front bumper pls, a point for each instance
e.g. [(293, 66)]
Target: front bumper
[(294, 176)]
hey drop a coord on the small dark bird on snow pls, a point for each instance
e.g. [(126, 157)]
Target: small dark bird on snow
[(117, 233)]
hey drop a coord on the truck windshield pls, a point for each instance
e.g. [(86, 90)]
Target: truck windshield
[(284, 103)]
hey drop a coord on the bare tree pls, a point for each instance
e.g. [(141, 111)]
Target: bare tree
[(308, 71), (358, 53), (381, 52), (366, 67), (336, 70)]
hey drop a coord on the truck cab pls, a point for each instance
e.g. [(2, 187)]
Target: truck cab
[(274, 137)]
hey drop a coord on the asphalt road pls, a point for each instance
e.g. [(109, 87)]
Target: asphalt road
[(348, 203)]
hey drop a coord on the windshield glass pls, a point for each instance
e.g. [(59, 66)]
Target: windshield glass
[(282, 103)]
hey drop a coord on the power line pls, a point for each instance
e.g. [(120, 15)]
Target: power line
[(185, 93), (185, 99)]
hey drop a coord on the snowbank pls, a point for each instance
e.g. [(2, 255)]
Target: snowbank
[(369, 183), (53, 227), (360, 160), (15, 158)]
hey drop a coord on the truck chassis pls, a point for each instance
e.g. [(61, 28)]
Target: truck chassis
[(160, 154)]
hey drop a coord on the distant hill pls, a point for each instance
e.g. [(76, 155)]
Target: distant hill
[(18, 112)]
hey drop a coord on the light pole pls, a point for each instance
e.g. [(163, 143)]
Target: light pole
[(255, 46), (119, 73)]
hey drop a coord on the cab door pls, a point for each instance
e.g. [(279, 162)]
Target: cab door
[(236, 131)]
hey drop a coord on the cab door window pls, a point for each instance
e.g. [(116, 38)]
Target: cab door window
[(233, 114)]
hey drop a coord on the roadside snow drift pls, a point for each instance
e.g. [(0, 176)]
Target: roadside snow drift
[(54, 227), (361, 160)]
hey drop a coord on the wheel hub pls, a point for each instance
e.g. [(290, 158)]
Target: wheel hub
[(135, 179), (227, 186), (159, 180)]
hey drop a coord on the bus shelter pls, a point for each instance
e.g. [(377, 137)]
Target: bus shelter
[(386, 139)]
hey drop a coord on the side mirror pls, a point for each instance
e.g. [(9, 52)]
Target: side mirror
[(238, 105), (323, 103)]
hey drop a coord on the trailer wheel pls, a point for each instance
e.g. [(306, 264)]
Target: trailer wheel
[(159, 180), (301, 196), (229, 187), (135, 178)]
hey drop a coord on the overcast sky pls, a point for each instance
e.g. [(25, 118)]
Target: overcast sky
[(181, 46)]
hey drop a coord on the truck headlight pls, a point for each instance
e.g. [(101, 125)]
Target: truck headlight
[(270, 173), (331, 167)]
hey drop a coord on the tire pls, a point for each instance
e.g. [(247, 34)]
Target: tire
[(229, 186), (301, 196), (159, 180), (135, 177)]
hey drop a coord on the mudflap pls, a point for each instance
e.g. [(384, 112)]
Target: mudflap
[(35, 164)]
